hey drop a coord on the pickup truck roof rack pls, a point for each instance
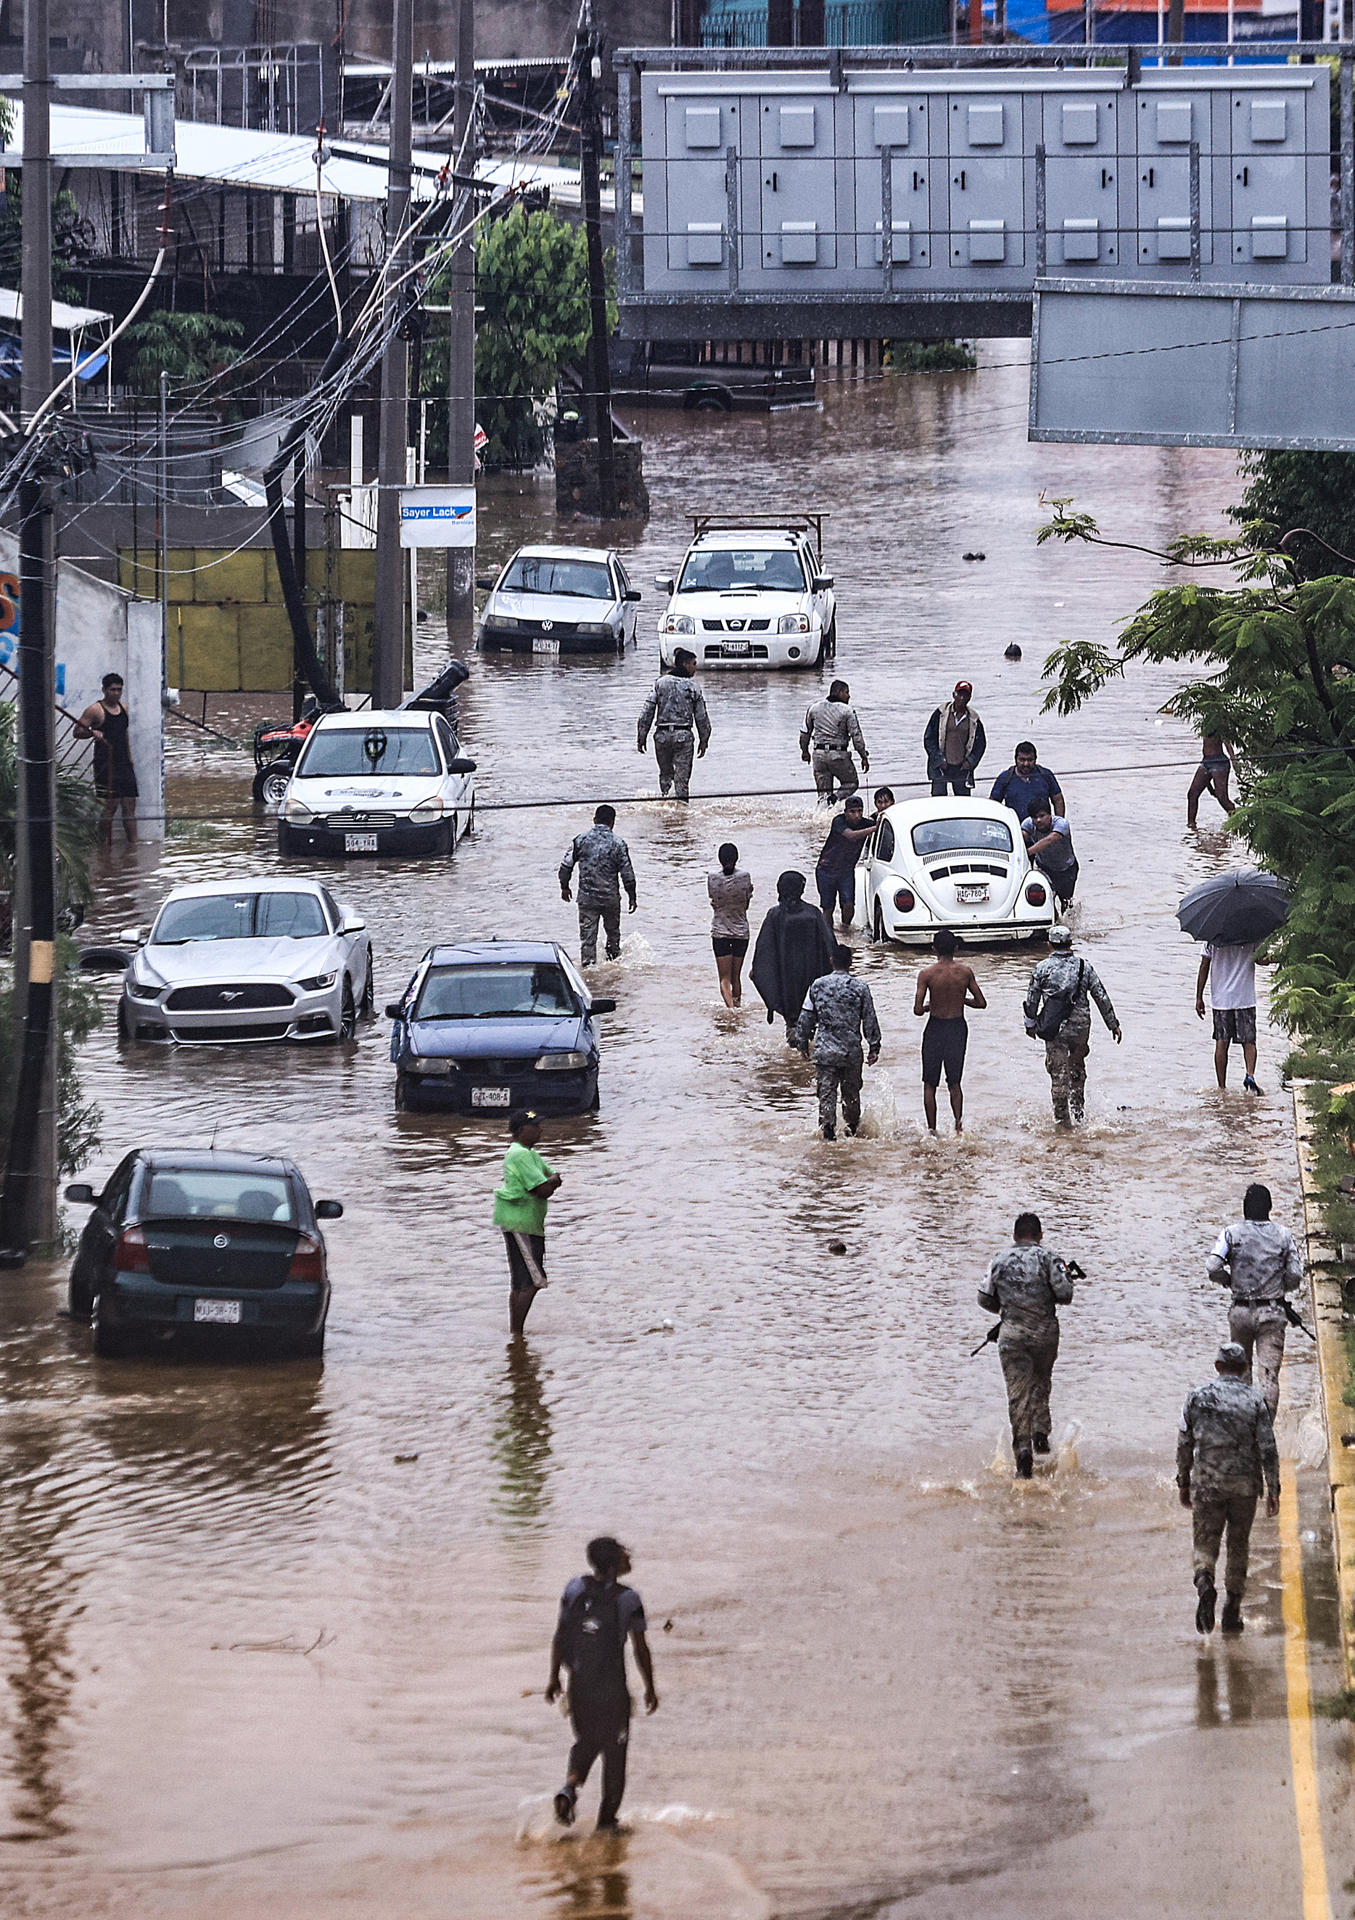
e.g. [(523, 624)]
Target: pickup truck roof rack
[(810, 520)]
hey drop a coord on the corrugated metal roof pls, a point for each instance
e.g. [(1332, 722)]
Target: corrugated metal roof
[(65, 319)]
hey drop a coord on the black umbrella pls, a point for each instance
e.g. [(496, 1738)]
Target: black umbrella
[(1235, 909)]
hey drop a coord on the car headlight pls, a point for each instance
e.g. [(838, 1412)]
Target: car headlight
[(319, 982), (793, 623), (503, 621), (592, 629), (561, 1062), (296, 810), (140, 990), (420, 1063), (430, 809), (679, 623)]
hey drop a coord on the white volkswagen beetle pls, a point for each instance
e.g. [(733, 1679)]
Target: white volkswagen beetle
[(951, 863)]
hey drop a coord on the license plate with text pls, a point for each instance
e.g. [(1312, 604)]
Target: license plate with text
[(359, 843), (970, 896), (545, 646), (490, 1096), (221, 1313), (737, 647)]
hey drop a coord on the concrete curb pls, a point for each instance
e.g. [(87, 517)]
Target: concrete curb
[(1325, 1268)]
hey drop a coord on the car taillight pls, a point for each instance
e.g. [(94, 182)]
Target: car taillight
[(308, 1260), (1036, 894), (130, 1252), (904, 900)]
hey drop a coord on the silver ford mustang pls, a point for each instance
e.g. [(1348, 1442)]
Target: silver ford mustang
[(252, 960)]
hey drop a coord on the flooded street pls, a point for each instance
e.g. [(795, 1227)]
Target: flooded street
[(259, 1659)]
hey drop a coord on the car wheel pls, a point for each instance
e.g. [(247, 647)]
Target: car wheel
[(367, 1006), (879, 926), (830, 641), (709, 400), (109, 1342), (310, 1346), (78, 1302), (270, 782), (401, 1094), (124, 1037), (595, 1103), (348, 1015)]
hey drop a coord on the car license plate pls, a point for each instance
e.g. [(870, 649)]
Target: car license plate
[(359, 843), (736, 647), (970, 896), (222, 1313), (490, 1096), (545, 646)]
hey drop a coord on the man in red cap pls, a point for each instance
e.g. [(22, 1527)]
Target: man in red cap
[(955, 743)]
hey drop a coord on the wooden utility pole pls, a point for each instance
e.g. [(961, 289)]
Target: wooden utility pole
[(388, 655), (598, 372), (461, 318)]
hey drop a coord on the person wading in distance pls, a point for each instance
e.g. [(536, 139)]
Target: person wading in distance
[(598, 1616), (730, 894), (944, 990)]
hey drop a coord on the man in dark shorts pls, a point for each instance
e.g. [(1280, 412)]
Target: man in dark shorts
[(106, 722), (944, 990), (520, 1214), (1211, 776), (597, 1618), (835, 874)]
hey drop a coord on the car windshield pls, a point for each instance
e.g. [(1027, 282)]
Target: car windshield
[(494, 993), (540, 573), (239, 916), (961, 835), (216, 1193), (350, 751), (722, 570)]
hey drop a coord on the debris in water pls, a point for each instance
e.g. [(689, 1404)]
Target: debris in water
[(974, 556), (837, 1246), (403, 1459), (664, 1326), (1013, 652)]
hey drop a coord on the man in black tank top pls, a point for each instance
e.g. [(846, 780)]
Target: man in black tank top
[(106, 722)]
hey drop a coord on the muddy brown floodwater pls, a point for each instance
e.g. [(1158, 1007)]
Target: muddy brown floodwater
[(259, 1661)]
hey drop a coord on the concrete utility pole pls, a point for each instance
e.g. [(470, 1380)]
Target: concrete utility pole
[(28, 1203), (461, 353), (588, 63), (388, 656)]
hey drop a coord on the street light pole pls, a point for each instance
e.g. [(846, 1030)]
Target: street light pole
[(28, 1201), (388, 654), (588, 63), (461, 351)]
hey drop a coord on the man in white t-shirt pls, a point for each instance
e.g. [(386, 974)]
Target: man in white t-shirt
[(1231, 974)]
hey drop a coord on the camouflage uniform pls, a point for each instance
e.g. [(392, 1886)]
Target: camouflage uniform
[(674, 706), (1261, 1263), (1025, 1284), (1225, 1450), (603, 860), (837, 1012), (832, 728), (1065, 1056)]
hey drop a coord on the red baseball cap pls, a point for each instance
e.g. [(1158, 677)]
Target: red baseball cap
[(963, 686)]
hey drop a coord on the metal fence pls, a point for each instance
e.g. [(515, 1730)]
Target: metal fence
[(827, 23)]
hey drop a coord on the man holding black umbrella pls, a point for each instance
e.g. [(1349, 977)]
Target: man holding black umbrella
[(1229, 970), (1230, 914)]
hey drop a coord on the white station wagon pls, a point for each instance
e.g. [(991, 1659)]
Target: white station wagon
[(951, 863), (751, 593), (370, 782)]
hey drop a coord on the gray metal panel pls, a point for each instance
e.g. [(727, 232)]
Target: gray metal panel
[(1226, 366), (987, 183), (912, 170), (796, 235)]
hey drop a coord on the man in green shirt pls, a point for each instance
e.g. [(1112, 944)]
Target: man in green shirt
[(520, 1214)]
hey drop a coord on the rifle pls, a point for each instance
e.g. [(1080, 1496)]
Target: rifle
[(1074, 1272), (1292, 1316), (991, 1334)]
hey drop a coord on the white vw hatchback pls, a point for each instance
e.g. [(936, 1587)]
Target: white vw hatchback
[(560, 600), (370, 782), (951, 863), (751, 594), (248, 960)]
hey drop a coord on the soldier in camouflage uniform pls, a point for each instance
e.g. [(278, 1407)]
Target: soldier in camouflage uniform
[(603, 861), (674, 706), (1065, 1053), (1259, 1261), (1025, 1284), (1225, 1450), (832, 729), (837, 1012)]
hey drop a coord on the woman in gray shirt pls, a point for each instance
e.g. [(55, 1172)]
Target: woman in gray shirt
[(730, 891)]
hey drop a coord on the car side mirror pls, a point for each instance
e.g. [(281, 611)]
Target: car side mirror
[(394, 1011), (602, 1006), (484, 580), (822, 582), (664, 582), (132, 935), (329, 1209), (352, 924), (461, 766), (633, 593), (81, 1192)]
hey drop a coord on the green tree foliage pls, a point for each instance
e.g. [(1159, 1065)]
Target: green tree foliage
[(189, 347), (1312, 491), (1269, 651)]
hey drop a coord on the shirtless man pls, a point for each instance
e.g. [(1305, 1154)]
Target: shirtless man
[(1211, 775), (944, 990)]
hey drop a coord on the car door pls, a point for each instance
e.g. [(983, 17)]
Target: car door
[(353, 943), (628, 607), (457, 788), (94, 1258), (400, 1027), (866, 887)]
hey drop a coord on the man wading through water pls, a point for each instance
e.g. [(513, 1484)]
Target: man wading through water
[(794, 948), (1025, 1285), (838, 1012), (944, 990), (597, 1617), (1058, 1011), (1225, 1451), (603, 861), (520, 1215), (1259, 1261)]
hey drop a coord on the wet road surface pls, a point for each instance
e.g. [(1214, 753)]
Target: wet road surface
[(255, 1662)]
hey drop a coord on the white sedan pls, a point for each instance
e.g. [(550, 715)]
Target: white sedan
[(248, 960), (951, 863)]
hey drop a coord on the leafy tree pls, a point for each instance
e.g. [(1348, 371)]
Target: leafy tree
[(1312, 491), (1277, 651), (189, 347)]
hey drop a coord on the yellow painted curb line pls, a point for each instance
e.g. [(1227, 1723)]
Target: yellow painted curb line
[(1302, 1749)]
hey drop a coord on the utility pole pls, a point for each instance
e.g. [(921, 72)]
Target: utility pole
[(28, 1202), (1176, 28), (588, 65), (388, 653), (461, 352)]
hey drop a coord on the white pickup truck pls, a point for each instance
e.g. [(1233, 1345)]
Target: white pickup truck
[(751, 593)]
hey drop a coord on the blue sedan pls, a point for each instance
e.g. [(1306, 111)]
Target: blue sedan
[(491, 1024)]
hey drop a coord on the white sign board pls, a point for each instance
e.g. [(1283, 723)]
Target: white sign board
[(437, 516)]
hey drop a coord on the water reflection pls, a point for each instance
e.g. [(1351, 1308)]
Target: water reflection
[(1224, 1691), (522, 1439), (39, 1602), (595, 1890)]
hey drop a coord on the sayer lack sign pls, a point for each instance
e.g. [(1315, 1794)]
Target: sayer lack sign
[(437, 516)]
